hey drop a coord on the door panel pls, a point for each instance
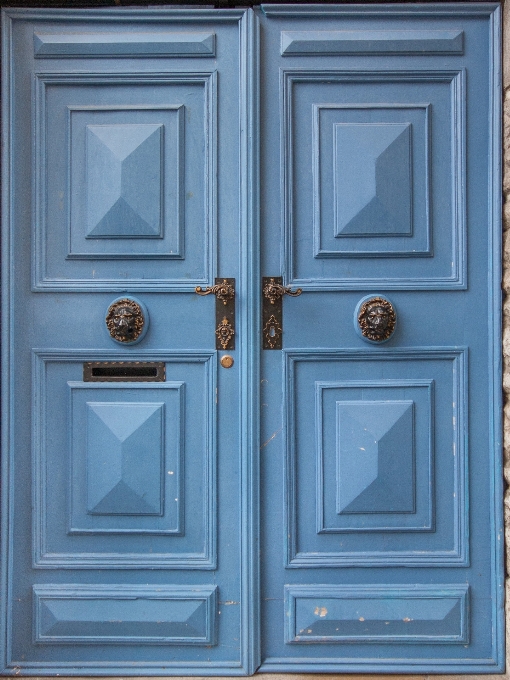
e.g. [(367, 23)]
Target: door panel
[(375, 556), (125, 547)]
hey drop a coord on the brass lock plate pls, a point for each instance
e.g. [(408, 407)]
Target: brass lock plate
[(272, 313), (225, 314)]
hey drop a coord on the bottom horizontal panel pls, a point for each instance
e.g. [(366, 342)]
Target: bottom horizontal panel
[(328, 614), (181, 615)]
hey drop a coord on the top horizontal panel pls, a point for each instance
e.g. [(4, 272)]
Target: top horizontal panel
[(420, 9), (175, 44), (321, 43)]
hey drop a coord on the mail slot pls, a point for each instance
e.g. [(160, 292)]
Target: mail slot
[(124, 371)]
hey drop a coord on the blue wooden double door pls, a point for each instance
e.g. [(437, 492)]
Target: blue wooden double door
[(176, 499)]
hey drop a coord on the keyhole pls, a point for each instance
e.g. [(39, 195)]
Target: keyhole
[(272, 332)]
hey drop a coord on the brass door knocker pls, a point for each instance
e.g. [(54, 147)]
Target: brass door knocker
[(127, 320)]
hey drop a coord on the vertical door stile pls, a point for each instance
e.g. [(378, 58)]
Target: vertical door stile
[(249, 331)]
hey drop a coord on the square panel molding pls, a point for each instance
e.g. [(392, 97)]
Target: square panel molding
[(375, 456), (112, 214), (116, 128), (127, 445), (360, 439), (371, 180), (152, 444), (404, 228)]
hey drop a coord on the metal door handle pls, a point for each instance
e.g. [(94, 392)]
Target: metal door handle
[(273, 290), (225, 291)]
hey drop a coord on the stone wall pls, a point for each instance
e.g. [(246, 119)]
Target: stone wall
[(506, 287)]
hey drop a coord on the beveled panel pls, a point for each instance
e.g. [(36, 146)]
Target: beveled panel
[(375, 456), (372, 179), (322, 43), (371, 174), (125, 454), (124, 614), (127, 447), (113, 215), (108, 130), (388, 456), (119, 44), (382, 186), (141, 464), (421, 614), (118, 204)]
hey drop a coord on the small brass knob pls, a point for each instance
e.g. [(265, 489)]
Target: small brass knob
[(227, 361)]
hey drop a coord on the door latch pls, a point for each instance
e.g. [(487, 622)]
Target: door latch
[(225, 292), (273, 291)]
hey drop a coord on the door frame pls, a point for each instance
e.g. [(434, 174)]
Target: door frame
[(248, 320)]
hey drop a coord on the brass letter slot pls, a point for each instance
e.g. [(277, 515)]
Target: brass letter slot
[(124, 371)]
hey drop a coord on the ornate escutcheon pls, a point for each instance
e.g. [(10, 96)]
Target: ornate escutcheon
[(225, 292), (273, 291), (375, 318), (127, 320), (272, 333), (225, 333)]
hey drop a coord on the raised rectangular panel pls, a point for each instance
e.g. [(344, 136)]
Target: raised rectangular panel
[(322, 43), (383, 213), (112, 214), (125, 455), (127, 444), (136, 454), (100, 140), (375, 456), (132, 44), (124, 614), (420, 614), (388, 456), (372, 179), (118, 204)]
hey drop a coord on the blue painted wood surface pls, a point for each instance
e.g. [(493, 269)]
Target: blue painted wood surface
[(355, 151), (381, 477), (136, 555)]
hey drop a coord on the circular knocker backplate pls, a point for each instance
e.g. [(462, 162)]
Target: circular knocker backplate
[(127, 320), (375, 318)]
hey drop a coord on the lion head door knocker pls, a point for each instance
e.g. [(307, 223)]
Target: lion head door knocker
[(127, 320), (375, 318)]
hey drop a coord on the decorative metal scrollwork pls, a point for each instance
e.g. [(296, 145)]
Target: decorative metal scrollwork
[(224, 291), (126, 320), (225, 332), (273, 291), (376, 318), (272, 332)]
